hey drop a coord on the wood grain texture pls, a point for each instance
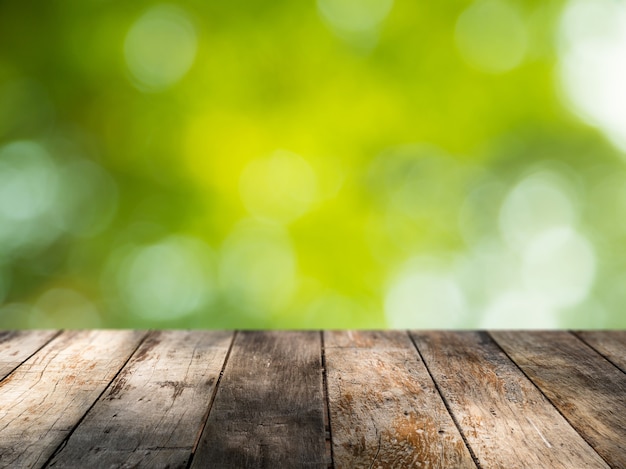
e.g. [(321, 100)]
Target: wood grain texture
[(268, 411), (385, 410), (46, 396), (181, 398), (506, 420), (588, 390), (611, 344), (153, 411), (17, 346)]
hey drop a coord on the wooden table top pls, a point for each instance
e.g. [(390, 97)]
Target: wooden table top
[(281, 399)]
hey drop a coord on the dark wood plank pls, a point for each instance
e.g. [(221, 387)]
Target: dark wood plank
[(17, 346), (153, 411), (269, 407), (43, 399), (505, 419), (611, 344), (588, 390), (384, 408)]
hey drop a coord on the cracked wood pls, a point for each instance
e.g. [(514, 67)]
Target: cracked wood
[(506, 420), (385, 410), (17, 346), (588, 390), (178, 398), (154, 409), (46, 396)]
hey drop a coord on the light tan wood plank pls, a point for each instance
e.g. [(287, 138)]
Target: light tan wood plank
[(611, 344), (153, 411), (46, 396), (589, 391), (17, 346), (269, 407), (384, 408), (505, 419)]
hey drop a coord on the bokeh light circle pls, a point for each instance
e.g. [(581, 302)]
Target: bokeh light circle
[(559, 266), (537, 203), (64, 307), (354, 15), (424, 296), (279, 188), (160, 47), (491, 36), (257, 270), (167, 280), (88, 198), (29, 184), (518, 309)]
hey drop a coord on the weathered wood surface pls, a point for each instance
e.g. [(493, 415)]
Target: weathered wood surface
[(154, 409), (45, 397), (505, 419), (611, 344), (269, 408), (340, 399), (588, 390), (385, 409), (17, 346)]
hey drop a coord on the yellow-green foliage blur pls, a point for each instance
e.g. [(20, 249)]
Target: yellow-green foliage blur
[(313, 164)]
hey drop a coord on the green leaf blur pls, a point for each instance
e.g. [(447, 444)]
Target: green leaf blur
[(319, 164)]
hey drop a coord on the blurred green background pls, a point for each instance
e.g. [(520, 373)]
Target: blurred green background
[(329, 164)]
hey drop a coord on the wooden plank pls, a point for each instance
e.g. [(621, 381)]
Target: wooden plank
[(17, 346), (46, 396), (611, 344), (268, 410), (153, 411), (384, 408), (505, 419), (589, 391)]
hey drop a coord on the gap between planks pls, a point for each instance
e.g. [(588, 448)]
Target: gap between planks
[(327, 421), (447, 404), (64, 442), (587, 389), (208, 411), (32, 343), (324, 369)]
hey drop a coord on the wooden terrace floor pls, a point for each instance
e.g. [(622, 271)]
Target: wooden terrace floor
[(344, 399)]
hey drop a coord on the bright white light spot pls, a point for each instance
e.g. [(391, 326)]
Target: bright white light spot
[(424, 297), (537, 203), (354, 15), (519, 310), (279, 188), (491, 36), (592, 66), (87, 199), (160, 47), (66, 308), (169, 279), (258, 268), (559, 267)]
